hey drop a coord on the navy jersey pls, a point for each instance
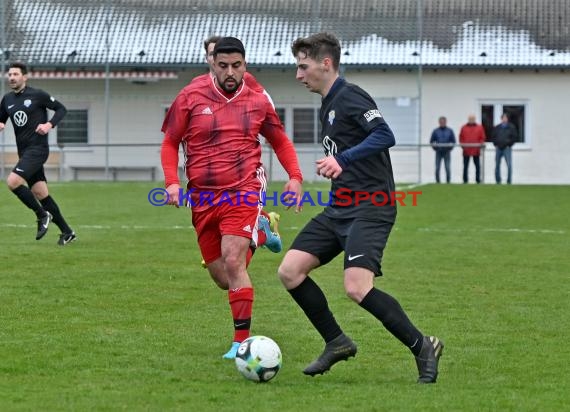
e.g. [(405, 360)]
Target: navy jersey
[(348, 115), (28, 109)]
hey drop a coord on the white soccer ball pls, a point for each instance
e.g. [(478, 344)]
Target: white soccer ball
[(258, 358)]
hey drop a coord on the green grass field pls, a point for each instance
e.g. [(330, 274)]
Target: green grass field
[(126, 319)]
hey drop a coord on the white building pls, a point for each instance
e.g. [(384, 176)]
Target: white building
[(448, 57)]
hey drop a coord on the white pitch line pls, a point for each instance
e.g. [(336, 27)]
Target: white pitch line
[(106, 227), (282, 227), (412, 186), (505, 230)]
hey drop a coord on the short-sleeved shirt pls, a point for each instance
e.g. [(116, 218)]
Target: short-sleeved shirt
[(27, 109)]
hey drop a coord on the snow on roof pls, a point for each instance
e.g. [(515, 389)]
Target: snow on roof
[(374, 33)]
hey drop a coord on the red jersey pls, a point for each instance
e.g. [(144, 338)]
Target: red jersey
[(219, 134)]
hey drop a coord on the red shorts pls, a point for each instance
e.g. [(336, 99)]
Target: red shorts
[(224, 219)]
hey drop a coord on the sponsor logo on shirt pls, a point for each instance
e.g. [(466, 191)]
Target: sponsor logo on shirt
[(20, 118), (207, 110), (329, 146), (372, 114)]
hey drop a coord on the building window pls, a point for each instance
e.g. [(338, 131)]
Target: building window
[(73, 128), (306, 125), (301, 123), (491, 116)]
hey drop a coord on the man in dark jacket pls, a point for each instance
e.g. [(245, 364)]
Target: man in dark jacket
[(442, 141), (504, 137)]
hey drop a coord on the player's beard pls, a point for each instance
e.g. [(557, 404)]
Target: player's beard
[(229, 89)]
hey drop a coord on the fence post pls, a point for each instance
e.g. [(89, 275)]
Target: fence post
[(61, 162), (483, 163), (2, 160)]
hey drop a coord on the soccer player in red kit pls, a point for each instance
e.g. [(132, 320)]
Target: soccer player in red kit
[(218, 120), (268, 236)]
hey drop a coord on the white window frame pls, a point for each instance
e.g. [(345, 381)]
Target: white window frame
[(498, 112)]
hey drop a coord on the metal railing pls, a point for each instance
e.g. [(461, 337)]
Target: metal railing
[(105, 159)]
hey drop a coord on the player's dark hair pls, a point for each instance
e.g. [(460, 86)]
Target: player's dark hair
[(229, 45), (318, 46), (212, 39), (19, 65)]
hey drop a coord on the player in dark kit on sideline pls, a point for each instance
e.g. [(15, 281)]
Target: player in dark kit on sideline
[(356, 140), (218, 120), (27, 109)]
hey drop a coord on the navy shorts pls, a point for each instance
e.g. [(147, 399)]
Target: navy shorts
[(31, 166), (363, 241)]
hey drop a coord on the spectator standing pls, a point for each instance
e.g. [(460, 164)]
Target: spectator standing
[(442, 140), (504, 137), (472, 137)]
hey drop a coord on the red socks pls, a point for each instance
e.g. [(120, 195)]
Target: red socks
[(241, 303)]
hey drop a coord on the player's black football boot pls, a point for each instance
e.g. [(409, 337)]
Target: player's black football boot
[(428, 359), (340, 348), (43, 224), (66, 238)]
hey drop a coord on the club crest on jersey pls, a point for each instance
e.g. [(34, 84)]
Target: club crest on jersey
[(27, 102), (372, 114), (331, 117)]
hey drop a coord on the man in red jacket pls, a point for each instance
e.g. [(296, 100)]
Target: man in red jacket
[(217, 120), (472, 138)]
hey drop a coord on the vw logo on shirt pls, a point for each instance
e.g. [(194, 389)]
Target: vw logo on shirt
[(20, 118)]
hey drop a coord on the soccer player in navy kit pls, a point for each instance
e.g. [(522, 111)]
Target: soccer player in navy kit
[(27, 108), (356, 140)]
